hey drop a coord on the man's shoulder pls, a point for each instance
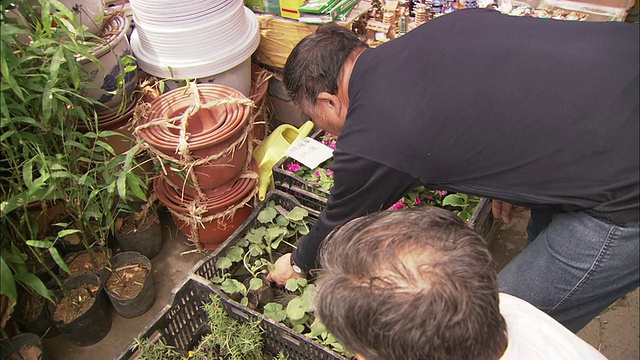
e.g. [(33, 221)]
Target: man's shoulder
[(533, 334)]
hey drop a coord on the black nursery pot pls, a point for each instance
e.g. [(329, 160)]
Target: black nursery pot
[(146, 297), (11, 348), (95, 323), (147, 242), (41, 324)]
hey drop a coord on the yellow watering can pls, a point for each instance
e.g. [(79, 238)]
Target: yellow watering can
[(271, 150)]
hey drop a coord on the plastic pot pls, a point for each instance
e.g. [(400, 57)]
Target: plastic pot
[(135, 304), (94, 324)]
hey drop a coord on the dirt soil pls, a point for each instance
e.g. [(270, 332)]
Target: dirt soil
[(130, 224), (88, 263), (77, 303), (27, 352), (128, 281)]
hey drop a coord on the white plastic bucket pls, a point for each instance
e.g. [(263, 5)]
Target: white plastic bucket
[(225, 65), (238, 77)]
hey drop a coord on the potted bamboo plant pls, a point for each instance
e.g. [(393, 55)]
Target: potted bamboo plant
[(45, 161)]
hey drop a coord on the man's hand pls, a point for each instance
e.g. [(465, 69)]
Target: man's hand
[(503, 209), (283, 271)]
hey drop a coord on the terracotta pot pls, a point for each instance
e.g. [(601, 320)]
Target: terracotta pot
[(217, 137), (216, 227), (205, 127), (214, 174), (259, 86)]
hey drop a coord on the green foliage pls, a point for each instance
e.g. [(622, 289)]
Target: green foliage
[(235, 340), (275, 228), (44, 159), (155, 350), (228, 339)]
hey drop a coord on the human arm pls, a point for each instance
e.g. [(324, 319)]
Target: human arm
[(361, 186)]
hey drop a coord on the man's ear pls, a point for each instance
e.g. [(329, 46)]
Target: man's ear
[(328, 102)]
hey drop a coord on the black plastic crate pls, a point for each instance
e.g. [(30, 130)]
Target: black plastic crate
[(289, 182), (277, 336), (182, 322)]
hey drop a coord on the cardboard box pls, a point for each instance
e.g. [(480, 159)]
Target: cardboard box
[(289, 8)]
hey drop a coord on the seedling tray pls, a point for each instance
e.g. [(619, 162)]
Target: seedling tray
[(315, 198), (182, 322), (289, 182), (277, 336)]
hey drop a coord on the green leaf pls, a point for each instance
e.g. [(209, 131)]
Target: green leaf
[(41, 244), (275, 311), (267, 214), (122, 187), (297, 214), (223, 263), (274, 232), (58, 259), (454, 200), (8, 284), (34, 283), (291, 285), (317, 328), (256, 249), (67, 232), (134, 182), (464, 215), (106, 146), (282, 221), (235, 254), (6, 74), (295, 309), (232, 286), (54, 67), (255, 283)]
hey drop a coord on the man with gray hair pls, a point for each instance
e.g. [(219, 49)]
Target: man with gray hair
[(418, 284)]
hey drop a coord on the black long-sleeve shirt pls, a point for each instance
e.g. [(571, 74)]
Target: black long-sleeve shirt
[(536, 112)]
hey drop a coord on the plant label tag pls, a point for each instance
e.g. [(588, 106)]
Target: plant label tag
[(309, 152)]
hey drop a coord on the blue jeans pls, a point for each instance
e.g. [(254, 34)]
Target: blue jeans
[(574, 266)]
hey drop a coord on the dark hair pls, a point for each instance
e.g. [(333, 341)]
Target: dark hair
[(315, 63), (411, 284)]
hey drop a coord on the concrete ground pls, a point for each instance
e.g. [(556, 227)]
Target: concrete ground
[(614, 332)]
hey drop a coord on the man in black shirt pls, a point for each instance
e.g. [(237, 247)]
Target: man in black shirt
[(539, 113)]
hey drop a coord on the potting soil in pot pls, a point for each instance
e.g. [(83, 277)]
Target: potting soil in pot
[(127, 281), (88, 263), (77, 303)]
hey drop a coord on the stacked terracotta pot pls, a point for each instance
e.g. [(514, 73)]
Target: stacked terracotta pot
[(259, 86), (201, 135)]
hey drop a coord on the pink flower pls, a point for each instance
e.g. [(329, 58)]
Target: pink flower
[(430, 196), (400, 204), (329, 172), (293, 167), (418, 200), (442, 192), (317, 174)]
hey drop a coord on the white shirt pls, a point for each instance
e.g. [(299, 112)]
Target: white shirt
[(535, 335)]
